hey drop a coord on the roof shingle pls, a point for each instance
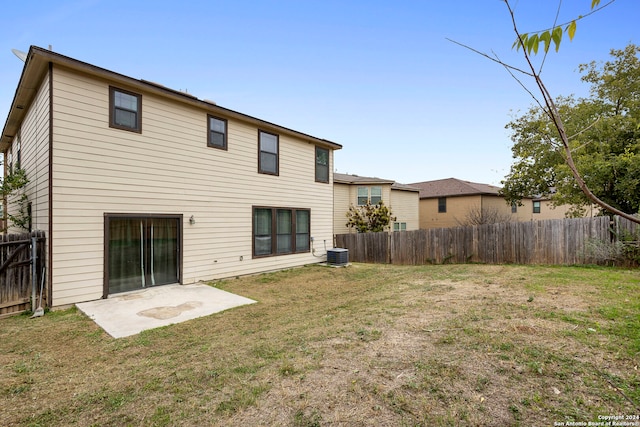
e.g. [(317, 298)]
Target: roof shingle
[(453, 187), (342, 178)]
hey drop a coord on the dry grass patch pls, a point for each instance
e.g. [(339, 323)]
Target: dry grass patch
[(363, 345)]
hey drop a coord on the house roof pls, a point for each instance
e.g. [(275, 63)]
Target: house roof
[(341, 178), (38, 62), (454, 187)]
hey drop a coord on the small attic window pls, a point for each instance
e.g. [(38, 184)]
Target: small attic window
[(125, 110)]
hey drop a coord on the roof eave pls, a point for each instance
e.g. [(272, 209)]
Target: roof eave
[(36, 66), (460, 195)]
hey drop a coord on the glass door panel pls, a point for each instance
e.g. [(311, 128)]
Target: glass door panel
[(163, 257), (142, 252)]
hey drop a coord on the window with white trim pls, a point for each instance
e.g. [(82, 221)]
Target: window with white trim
[(399, 226), (376, 195), (371, 195)]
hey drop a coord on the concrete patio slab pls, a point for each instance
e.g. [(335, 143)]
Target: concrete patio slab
[(130, 313)]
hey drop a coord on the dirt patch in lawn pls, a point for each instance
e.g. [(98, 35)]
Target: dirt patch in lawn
[(363, 345)]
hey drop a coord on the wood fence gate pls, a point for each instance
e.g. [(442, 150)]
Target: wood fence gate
[(18, 282)]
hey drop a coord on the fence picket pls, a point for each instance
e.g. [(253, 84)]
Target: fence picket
[(555, 242), (15, 274)]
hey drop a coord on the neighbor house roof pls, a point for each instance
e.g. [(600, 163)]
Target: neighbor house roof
[(39, 60), (453, 187), (342, 178)]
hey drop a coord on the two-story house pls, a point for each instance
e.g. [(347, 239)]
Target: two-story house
[(138, 185), (355, 190), (453, 202)]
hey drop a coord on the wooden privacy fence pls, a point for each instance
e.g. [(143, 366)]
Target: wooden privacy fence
[(563, 241), (16, 269)]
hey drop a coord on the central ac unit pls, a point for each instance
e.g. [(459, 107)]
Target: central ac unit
[(338, 256)]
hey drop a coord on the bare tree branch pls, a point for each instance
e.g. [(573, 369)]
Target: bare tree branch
[(490, 58), (520, 82), (553, 113)]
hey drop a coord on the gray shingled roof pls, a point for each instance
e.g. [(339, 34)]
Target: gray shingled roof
[(342, 178), (453, 187)]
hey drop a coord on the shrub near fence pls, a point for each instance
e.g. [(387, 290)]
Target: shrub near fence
[(554, 242), (16, 271)]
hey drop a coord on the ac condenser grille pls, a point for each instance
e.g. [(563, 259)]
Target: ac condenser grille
[(338, 256)]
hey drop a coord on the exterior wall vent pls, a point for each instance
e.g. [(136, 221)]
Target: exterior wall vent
[(338, 256)]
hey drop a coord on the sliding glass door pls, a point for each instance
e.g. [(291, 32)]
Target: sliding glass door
[(142, 251)]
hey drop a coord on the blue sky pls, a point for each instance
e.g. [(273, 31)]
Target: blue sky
[(380, 78)]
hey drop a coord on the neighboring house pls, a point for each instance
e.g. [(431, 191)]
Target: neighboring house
[(139, 185), (452, 202), (358, 190)]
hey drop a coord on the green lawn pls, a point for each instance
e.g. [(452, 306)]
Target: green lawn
[(439, 345)]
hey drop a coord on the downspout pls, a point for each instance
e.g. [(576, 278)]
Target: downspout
[(50, 195)]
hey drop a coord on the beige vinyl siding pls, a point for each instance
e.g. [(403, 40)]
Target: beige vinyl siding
[(347, 195), (404, 206), (341, 201), (457, 209), (496, 203), (168, 169), (34, 138), (547, 211), (386, 193), (459, 206)]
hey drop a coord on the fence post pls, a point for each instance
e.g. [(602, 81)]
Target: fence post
[(34, 256)]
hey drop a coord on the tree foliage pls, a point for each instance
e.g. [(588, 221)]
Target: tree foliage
[(531, 41), (369, 218), (603, 136), (13, 185)]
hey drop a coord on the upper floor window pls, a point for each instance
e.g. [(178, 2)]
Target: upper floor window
[(125, 110), (371, 195), (268, 153), (217, 132), (376, 195), (442, 204), (19, 152), (363, 195), (514, 207), (536, 206), (322, 164)]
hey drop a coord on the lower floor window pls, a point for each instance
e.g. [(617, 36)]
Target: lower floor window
[(399, 226), (278, 231)]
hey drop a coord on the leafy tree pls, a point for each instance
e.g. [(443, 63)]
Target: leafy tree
[(604, 141), (369, 218), (12, 185), (530, 43)]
